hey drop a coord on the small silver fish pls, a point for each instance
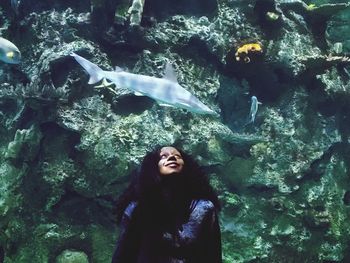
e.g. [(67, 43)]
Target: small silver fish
[(166, 91), (253, 109), (9, 53)]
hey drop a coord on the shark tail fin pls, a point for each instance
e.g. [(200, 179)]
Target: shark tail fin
[(95, 72)]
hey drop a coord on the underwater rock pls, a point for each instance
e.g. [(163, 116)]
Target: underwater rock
[(334, 84), (283, 181), (11, 179), (165, 8), (25, 146), (102, 15), (47, 66), (269, 15), (273, 169), (282, 228), (46, 241), (321, 10), (232, 202), (327, 9), (318, 219), (325, 208), (331, 252), (70, 256), (28, 7), (289, 49), (316, 65), (135, 11), (338, 31), (204, 37)]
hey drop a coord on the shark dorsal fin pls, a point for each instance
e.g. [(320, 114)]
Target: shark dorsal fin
[(169, 73), (118, 69)]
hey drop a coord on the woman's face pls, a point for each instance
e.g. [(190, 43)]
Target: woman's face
[(170, 161)]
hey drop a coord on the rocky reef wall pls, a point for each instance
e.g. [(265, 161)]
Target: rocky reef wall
[(67, 147)]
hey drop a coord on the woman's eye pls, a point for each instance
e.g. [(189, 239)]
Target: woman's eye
[(163, 156)]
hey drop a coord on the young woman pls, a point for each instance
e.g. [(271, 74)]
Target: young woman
[(168, 214)]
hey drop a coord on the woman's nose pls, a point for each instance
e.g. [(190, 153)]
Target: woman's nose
[(172, 157)]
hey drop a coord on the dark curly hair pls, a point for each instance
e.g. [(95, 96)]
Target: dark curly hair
[(146, 183)]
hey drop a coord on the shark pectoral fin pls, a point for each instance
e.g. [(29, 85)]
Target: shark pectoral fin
[(164, 104), (104, 84), (183, 103), (112, 90), (99, 86), (169, 73)]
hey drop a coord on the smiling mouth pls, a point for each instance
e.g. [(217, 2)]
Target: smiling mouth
[(171, 164)]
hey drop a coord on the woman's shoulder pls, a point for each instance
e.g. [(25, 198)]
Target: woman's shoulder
[(202, 204), (130, 209)]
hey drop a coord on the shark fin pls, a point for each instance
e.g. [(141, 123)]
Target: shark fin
[(164, 104), (185, 104), (169, 73), (112, 90), (95, 72), (104, 84)]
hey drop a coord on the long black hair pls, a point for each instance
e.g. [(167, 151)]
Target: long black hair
[(145, 185)]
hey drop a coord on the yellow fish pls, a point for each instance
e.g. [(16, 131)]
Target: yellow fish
[(244, 50)]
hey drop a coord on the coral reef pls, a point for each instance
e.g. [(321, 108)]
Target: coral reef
[(67, 147)]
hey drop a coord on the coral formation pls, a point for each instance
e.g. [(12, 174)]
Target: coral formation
[(135, 11)]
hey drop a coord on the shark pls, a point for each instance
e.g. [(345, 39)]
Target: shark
[(166, 91)]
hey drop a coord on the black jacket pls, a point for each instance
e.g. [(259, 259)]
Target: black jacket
[(196, 239)]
